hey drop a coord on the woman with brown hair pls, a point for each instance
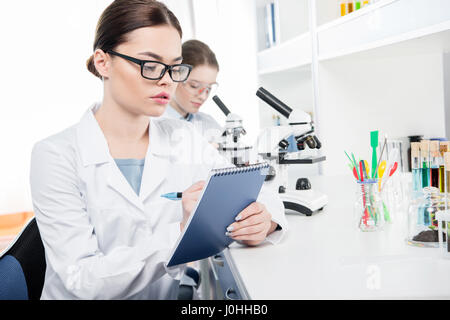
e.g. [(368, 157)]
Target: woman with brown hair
[(96, 186), (192, 94)]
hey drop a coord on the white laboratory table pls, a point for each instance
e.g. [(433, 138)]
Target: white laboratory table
[(326, 257)]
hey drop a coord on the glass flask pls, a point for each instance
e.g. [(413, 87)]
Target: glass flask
[(422, 220)]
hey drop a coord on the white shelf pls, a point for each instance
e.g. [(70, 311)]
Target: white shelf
[(292, 54), (388, 24), (382, 24)]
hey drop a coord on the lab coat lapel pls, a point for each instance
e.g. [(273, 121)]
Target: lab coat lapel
[(94, 151), (156, 161), (118, 182), (155, 172)]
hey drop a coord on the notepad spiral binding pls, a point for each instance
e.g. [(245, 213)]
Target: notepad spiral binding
[(234, 170)]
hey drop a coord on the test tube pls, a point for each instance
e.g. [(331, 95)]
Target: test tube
[(415, 166), (357, 4), (447, 189), (365, 3), (424, 160), (443, 148), (434, 163)]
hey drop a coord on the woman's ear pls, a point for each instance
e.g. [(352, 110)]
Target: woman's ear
[(102, 63)]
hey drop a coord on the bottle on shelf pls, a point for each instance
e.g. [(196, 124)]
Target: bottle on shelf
[(357, 4), (350, 6), (443, 148), (343, 7), (276, 120), (270, 24)]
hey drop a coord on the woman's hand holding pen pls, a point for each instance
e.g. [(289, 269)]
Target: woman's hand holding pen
[(189, 200), (252, 225)]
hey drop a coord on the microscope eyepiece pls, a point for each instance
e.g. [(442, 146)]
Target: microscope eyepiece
[(221, 105), (271, 100)]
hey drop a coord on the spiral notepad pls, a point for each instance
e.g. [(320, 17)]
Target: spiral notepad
[(227, 192)]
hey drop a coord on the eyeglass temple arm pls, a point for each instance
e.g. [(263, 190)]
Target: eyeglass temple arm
[(137, 61)]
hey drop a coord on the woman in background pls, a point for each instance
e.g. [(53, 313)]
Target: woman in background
[(192, 94)]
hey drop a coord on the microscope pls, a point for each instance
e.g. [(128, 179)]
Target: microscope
[(282, 146), (230, 144)]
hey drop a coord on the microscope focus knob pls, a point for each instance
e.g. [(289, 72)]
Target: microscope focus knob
[(303, 184), (283, 144)]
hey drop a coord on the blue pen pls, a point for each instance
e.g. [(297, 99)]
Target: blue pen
[(173, 195)]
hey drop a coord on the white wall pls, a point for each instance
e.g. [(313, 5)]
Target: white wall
[(45, 86), (183, 12), (446, 67), (295, 18), (398, 95)]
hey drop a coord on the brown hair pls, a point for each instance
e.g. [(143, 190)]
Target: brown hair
[(197, 53), (124, 16)]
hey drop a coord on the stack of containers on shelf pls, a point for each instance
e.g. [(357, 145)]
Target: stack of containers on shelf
[(348, 6), (427, 224)]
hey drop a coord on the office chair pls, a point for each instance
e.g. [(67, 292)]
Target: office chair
[(22, 267)]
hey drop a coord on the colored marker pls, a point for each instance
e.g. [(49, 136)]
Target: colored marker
[(173, 195)]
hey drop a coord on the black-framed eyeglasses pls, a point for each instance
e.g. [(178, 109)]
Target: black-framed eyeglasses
[(155, 70)]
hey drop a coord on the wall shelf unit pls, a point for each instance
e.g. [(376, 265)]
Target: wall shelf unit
[(377, 68), (292, 54), (378, 25)]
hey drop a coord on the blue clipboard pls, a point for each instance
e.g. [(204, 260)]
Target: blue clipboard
[(227, 192)]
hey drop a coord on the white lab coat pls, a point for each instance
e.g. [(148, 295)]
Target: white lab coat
[(101, 240), (204, 123)]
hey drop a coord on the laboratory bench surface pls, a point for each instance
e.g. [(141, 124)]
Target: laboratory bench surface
[(325, 256)]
